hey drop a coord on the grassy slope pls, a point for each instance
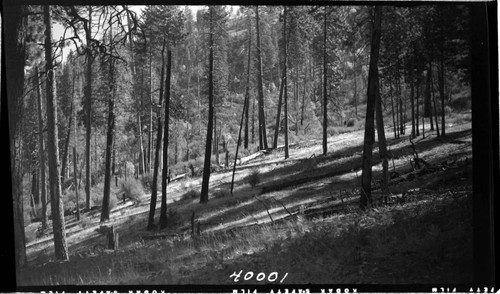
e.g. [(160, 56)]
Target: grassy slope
[(426, 240)]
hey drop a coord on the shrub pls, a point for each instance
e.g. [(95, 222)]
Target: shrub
[(254, 178), (173, 218), (191, 194), (352, 122), (132, 188), (332, 131), (220, 193), (461, 103), (147, 181), (112, 201), (447, 110)]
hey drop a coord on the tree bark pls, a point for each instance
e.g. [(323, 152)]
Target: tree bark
[(165, 171), (15, 60), (245, 105), (88, 112), (66, 147), (325, 98), (412, 102), (109, 136), (60, 247), (417, 105), (394, 124), (247, 90), (208, 145), (441, 84), (434, 104), (41, 152), (366, 176), (152, 205), (260, 87), (285, 82)]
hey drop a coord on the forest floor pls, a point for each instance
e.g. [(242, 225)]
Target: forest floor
[(301, 220)]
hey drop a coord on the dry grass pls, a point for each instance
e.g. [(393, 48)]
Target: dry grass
[(347, 245)]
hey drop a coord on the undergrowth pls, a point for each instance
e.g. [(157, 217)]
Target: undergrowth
[(425, 242)]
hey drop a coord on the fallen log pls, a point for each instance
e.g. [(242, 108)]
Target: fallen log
[(160, 236)]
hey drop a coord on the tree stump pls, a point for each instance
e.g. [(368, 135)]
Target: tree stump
[(112, 239), (192, 224)]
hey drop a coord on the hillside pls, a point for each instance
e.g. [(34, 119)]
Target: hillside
[(301, 218)]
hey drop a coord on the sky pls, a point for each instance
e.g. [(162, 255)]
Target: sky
[(58, 29)]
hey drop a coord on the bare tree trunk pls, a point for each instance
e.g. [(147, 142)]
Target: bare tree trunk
[(60, 247), (325, 98), (75, 158), (152, 206), (278, 113), (366, 177), (208, 145), (417, 105), (441, 84), (66, 146), (165, 171), (110, 136), (88, 112), (428, 102), (412, 101), (434, 104), (41, 152), (303, 98), (150, 137), (253, 121), (14, 30), (260, 87), (247, 90), (394, 124), (245, 106), (285, 81)]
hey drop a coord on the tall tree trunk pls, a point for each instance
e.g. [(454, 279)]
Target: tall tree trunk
[(382, 143), (110, 135), (75, 158), (14, 24), (260, 87), (402, 127), (150, 138), (396, 89), (278, 113), (296, 100), (152, 205), (285, 81), (394, 124), (66, 147), (253, 121), (434, 104), (412, 101), (60, 247), (325, 98), (208, 145), (303, 97), (417, 105), (165, 171), (41, 152), (245, 105), (247, 90), (366, 177), (88, 111), (355, 95), (428, 102), (441, 83)]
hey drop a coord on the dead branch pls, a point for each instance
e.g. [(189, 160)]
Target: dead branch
[(265, 206), (282, 205)]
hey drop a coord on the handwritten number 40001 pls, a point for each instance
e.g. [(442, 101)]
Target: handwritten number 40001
[(272, 277)]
